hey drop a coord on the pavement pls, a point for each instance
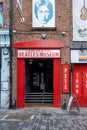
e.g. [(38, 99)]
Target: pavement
[(46, 118)]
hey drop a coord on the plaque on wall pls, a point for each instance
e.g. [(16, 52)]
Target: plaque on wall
[(5, 85)]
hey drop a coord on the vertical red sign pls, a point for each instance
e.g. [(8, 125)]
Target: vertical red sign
[(85, 84), (77, 84), (65, 78)]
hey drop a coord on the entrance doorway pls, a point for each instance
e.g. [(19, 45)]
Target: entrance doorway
[(21, 86), (38, 81), (38, 49)]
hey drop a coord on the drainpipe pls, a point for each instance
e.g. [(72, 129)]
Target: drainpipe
[(11, 40), (0, 75)]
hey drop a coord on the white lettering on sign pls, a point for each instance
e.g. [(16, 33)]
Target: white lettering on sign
[(86, 74), (65, 70), (77, 84), (65, 78), (38, 53), (77, 91)]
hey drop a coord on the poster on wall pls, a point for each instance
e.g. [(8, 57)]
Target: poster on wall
[(78, 56), (79, 20), (1, 15), (43, 13)]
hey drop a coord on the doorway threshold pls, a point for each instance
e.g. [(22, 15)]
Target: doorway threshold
[(38, 104)]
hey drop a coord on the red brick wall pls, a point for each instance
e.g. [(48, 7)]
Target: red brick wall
[(63, 10)]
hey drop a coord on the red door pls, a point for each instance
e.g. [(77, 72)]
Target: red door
[(79, 83)]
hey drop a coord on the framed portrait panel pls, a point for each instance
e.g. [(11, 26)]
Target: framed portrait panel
[(79, 20), (43, 13)]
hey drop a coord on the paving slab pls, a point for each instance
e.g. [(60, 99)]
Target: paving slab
[(43, 119)]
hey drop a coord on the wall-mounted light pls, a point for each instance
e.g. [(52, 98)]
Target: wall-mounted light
[(22, 20), (14, 31), (63, 33), (43, 35)]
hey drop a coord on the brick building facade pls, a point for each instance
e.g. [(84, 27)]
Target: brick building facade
[(23, 31), (43, 67)]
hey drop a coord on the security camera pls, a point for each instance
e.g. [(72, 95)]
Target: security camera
[(43, 36), (63, 33)]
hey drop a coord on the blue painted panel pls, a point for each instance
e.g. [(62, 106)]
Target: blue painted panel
[(1, 14), (5, 99), (5, 77), (5, 64), (4, 41)]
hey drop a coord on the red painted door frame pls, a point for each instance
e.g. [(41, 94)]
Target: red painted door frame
[(56, 83), (37, 44), (21, 81)]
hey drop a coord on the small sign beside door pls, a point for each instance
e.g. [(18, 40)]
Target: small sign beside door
[(5, 85), (65, 78)]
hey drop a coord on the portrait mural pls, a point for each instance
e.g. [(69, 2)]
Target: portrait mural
[(79, 20), (43, 13), (1, 15)]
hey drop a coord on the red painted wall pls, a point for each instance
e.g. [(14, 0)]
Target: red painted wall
[(79, 83)]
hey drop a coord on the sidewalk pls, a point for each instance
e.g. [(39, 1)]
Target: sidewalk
[(43, 119)]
